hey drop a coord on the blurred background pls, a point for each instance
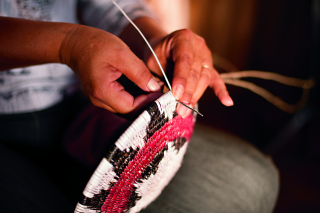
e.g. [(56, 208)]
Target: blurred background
[(267, 35)]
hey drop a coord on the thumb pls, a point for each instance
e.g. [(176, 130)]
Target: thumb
[(135, 69)]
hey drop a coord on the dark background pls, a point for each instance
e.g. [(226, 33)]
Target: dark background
[(276, 36)]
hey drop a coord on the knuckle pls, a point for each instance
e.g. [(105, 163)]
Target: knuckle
[(213, 82), (126, 107), (194, 74), (96, 102), (208, 53), (124, 110), (219, 91), (187, 33), (186, 60), (181, 79), (205, 77), (141, 75), (96, 94), (110, 109), (201, 41), (121, 52), (187, 96), (193, 102)]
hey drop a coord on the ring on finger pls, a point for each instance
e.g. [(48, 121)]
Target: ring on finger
[(206, 66)]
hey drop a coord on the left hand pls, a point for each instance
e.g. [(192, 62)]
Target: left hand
[(193, 68)]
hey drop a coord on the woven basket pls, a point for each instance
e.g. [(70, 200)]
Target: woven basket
[(142, 161)]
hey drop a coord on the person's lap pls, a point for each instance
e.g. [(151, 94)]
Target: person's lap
[(220, 173), (24, 187)]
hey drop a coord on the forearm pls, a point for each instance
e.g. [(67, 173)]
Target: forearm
[(151, 30), (25, 42)]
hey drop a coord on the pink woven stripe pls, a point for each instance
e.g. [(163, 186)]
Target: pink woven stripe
[(119, 194)]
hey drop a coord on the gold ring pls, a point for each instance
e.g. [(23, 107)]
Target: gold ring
[(206, 66)]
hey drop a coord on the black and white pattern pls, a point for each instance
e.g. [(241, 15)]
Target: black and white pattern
[(110, 189)]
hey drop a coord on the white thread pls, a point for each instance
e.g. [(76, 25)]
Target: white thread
[(149, 189), (134, 135), (103, 171), (164, 75)]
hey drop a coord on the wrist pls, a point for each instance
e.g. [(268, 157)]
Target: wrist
[(65, 47)]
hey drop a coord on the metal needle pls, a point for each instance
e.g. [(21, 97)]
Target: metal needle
[(190, 108)]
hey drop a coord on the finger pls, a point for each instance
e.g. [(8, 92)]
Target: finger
[(112, 96), (220, 89), (152, 62), (131, 108), (182, 56), (200, 53), (141, 102), (117, 99), (193, 86), (205, 75), (100, 103), (132, 67), (203, 83)]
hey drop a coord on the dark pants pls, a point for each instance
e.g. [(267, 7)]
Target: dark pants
[(34, 168)]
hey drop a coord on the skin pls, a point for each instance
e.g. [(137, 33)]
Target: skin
[(99, 58), (188, 52)]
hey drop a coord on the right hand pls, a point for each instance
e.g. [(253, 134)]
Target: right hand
[(99, 58)]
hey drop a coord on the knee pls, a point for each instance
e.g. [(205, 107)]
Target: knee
[(253, 177), (257, 182), (245, 179)]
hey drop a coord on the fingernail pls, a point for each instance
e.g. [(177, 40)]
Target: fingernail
[(181, 110), (161, 83), (188, 112), (178, 92), (227, 101), (153, 85)]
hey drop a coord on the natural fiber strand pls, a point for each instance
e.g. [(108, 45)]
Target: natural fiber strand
[(154, 54), (269, 96), (295, 82)]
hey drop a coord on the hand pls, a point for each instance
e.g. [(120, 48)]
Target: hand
[(193, 68), (99, 58)]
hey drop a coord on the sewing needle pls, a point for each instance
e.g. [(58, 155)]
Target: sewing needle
[(190, 108)]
